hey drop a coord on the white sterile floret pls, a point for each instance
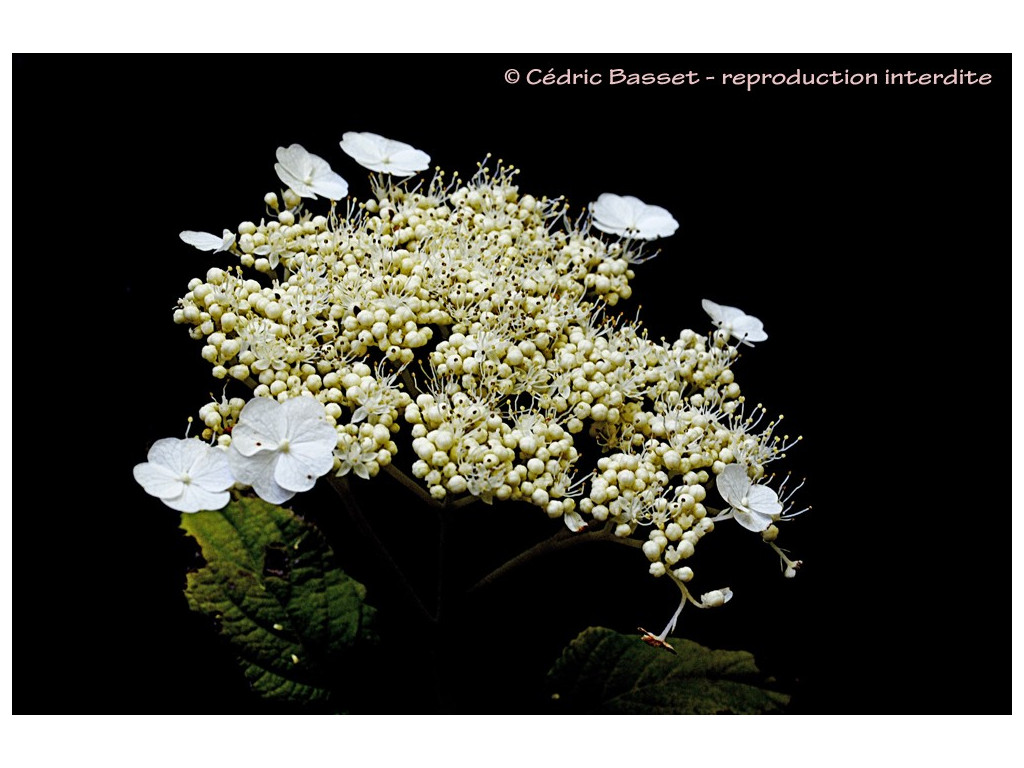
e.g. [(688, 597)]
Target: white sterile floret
[(186, 474), (281, 448), (755, 507), (629, 216), (735, 322), (384, 155), (308, 175), (205, 241)]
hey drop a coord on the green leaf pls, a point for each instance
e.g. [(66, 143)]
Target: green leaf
[(270, 583), (604, 672)]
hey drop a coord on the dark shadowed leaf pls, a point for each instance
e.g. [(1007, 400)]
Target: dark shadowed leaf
[(602, 671), (271, 585)]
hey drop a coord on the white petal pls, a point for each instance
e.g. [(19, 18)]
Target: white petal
[(713, 310), (363, 146), (212, 472), (270, 491), (752, 521), (733, 483), (295, 160), (304, 412), (654, 222), (258, 471), (158, 480), (294, 473), (204, 241), (191, 452), (195, 499), (748, 329), (261, 426), (721, 314), (297, 185), (611, 214), (762, 500), (330, 185), (574, 521), (227, 241), (250, 470), (406, 162), (377, 153)]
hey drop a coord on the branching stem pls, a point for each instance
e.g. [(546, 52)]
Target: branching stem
[(564, 539)]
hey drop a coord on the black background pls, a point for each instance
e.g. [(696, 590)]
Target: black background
[(863, 225)]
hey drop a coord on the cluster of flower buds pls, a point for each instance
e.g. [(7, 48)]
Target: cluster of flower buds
[(475, 320)]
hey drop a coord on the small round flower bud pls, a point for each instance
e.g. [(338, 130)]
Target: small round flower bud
[(683, 574), (652, 551), (713, 599)]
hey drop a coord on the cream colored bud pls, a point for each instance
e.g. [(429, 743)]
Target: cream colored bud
[(652, 551), (683, 574)]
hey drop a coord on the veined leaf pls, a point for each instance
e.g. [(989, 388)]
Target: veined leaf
[(602, 671), (270, 583)]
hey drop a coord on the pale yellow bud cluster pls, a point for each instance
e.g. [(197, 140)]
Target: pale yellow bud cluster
[(501, 305)]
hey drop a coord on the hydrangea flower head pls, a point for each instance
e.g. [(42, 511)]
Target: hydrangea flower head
[(205, 241), (628, 216), (308, 175), (735, 322), (384, 155), (755, 507), (186, 474), (281, 449)]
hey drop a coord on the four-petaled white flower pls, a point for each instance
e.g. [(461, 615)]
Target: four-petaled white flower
[(384, 155), (186, 474), (755, 507), (308, 175), (206, 241), (735, 322), (281, 449), (628, 216)]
